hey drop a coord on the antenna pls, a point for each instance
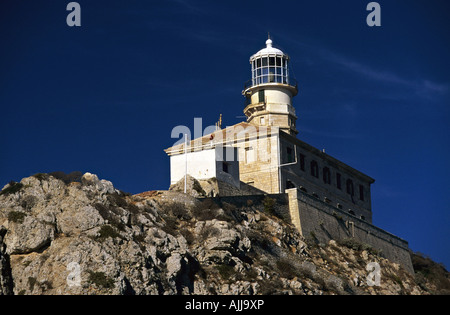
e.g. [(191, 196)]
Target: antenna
[(219, 123), (185, 162)]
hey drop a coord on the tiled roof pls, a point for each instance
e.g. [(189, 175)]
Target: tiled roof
[(225, 136)]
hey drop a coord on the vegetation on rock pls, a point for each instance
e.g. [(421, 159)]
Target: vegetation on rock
[(166, 242)]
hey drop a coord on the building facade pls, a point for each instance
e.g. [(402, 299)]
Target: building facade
[(271, 157), (327, 197)]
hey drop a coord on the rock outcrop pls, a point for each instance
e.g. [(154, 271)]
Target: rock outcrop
[(60, 236)]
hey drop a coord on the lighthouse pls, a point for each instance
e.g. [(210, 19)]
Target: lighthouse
[(270, 91), (324, 198)]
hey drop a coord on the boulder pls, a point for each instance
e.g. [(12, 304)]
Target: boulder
[(193, 187)]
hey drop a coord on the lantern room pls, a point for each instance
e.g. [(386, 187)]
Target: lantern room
[(269, 92)]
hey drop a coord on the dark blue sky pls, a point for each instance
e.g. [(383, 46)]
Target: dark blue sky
[(104, 97)]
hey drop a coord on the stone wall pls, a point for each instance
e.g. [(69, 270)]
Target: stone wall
[(319, 221), (214, 187), (297, 172), (258, 162)]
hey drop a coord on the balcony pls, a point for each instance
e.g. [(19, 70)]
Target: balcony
[(271, 79)]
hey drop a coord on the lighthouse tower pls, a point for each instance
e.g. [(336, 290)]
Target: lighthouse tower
[(270, 91)]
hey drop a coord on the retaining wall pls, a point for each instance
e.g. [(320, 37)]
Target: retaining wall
[(322, 222), (318, 220)]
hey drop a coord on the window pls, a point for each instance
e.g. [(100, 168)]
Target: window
[(338, 180), (262, 121), (264, 61), (302, 162), (314, 169), (225, 167), (350, 187), (271, 74), (289, 154), (261, 97), (271, 61), (289, 184), (249, 155), (278, 61), (326, 175), (270, 69), (361, 192)]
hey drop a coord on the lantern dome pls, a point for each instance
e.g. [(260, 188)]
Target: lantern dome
[(270, 65), (269, 50)]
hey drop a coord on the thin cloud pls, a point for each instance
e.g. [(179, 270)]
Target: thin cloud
[(420, 87), (363, 69), (423, 88)]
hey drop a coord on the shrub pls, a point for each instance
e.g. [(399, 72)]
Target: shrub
[(16, 216), (31, 283), (269, 205), (117, 200), (170, 226), (188, 235), (28, 202), (100, 279), (272, 286), (179, 211), (68, 178), (12, 188), (209, 231), (111, 214), (350, 243), (358, 246), (230, 213), (107, 231), (41, 176), (286, 269), (427, 271), (225, 271), (206, 210)]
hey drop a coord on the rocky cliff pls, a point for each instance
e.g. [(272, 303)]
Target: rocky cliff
[(79, 235)]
